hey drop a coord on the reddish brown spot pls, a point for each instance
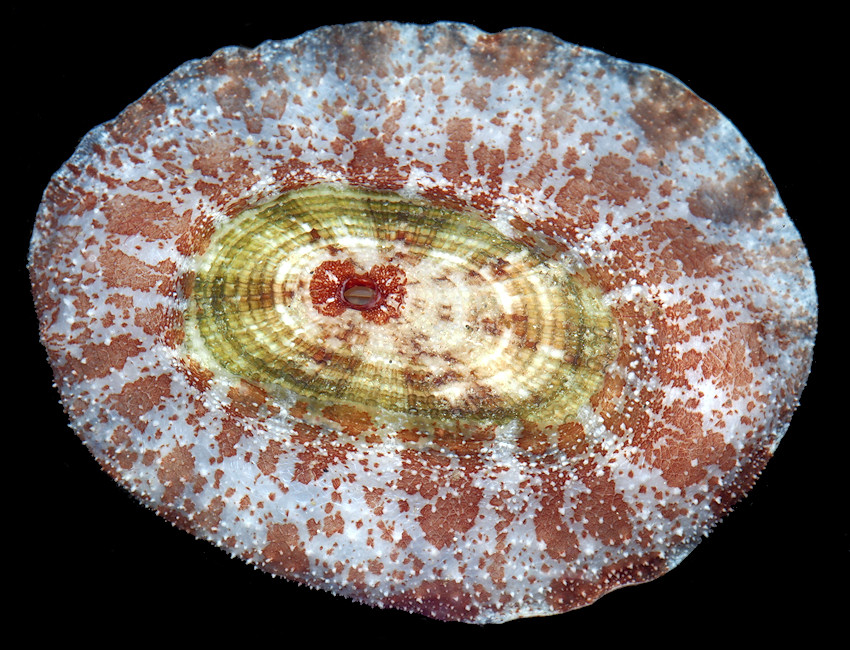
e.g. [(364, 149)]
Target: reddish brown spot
[(133, 215), (682, 249), (374, 498), (417, 470), (139, 397), (572, 438), (532, 438), (100, 359), (612, 181), (603, 511), (284, 552), (152, 321), (133, 125), (365, 49), (314, 461), (246, 400), (224, 171), (753, 460), (333, 524), (443, 600), (566, 593), (232, 431), (725, 361), (353, 421), (489, 165), (144, 184), (176, 470), (448, 517), (475, 94), (533, 180), (122, 270), (333, 284), (209, 519), (68, 200), (551, 528), (575, 198), (197, 376), (371, 165), (267, 462), (274, 103), (515, 144), (345, 126), (456, 168)]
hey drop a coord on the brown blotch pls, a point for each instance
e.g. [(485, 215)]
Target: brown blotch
[(333, 524), (497, 55), (533, 180), (753, 460), (198, 377), (232, 431), (745, 199), (682, 249), (234, 98), (489, 165), (669, 113), (68, 200), (274, 104), (463, 437), (363, 50), (144, 185), (575, 198)]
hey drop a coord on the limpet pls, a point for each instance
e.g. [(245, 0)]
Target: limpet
[(483, 354)]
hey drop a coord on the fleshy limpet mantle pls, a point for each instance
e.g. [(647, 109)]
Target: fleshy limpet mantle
[(480, 326)]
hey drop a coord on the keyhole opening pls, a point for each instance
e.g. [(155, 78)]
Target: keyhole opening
[(360, 293)]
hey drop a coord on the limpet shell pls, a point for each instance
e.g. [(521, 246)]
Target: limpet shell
[(664, 212)]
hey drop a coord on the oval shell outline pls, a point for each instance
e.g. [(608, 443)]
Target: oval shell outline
[(704, 198)]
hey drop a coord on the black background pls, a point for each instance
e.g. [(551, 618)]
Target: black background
[(85, 556)]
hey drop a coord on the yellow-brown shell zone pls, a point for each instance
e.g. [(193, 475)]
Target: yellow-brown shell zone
[(485, 330)]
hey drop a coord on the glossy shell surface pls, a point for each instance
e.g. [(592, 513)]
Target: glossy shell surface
[(584, 322)]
